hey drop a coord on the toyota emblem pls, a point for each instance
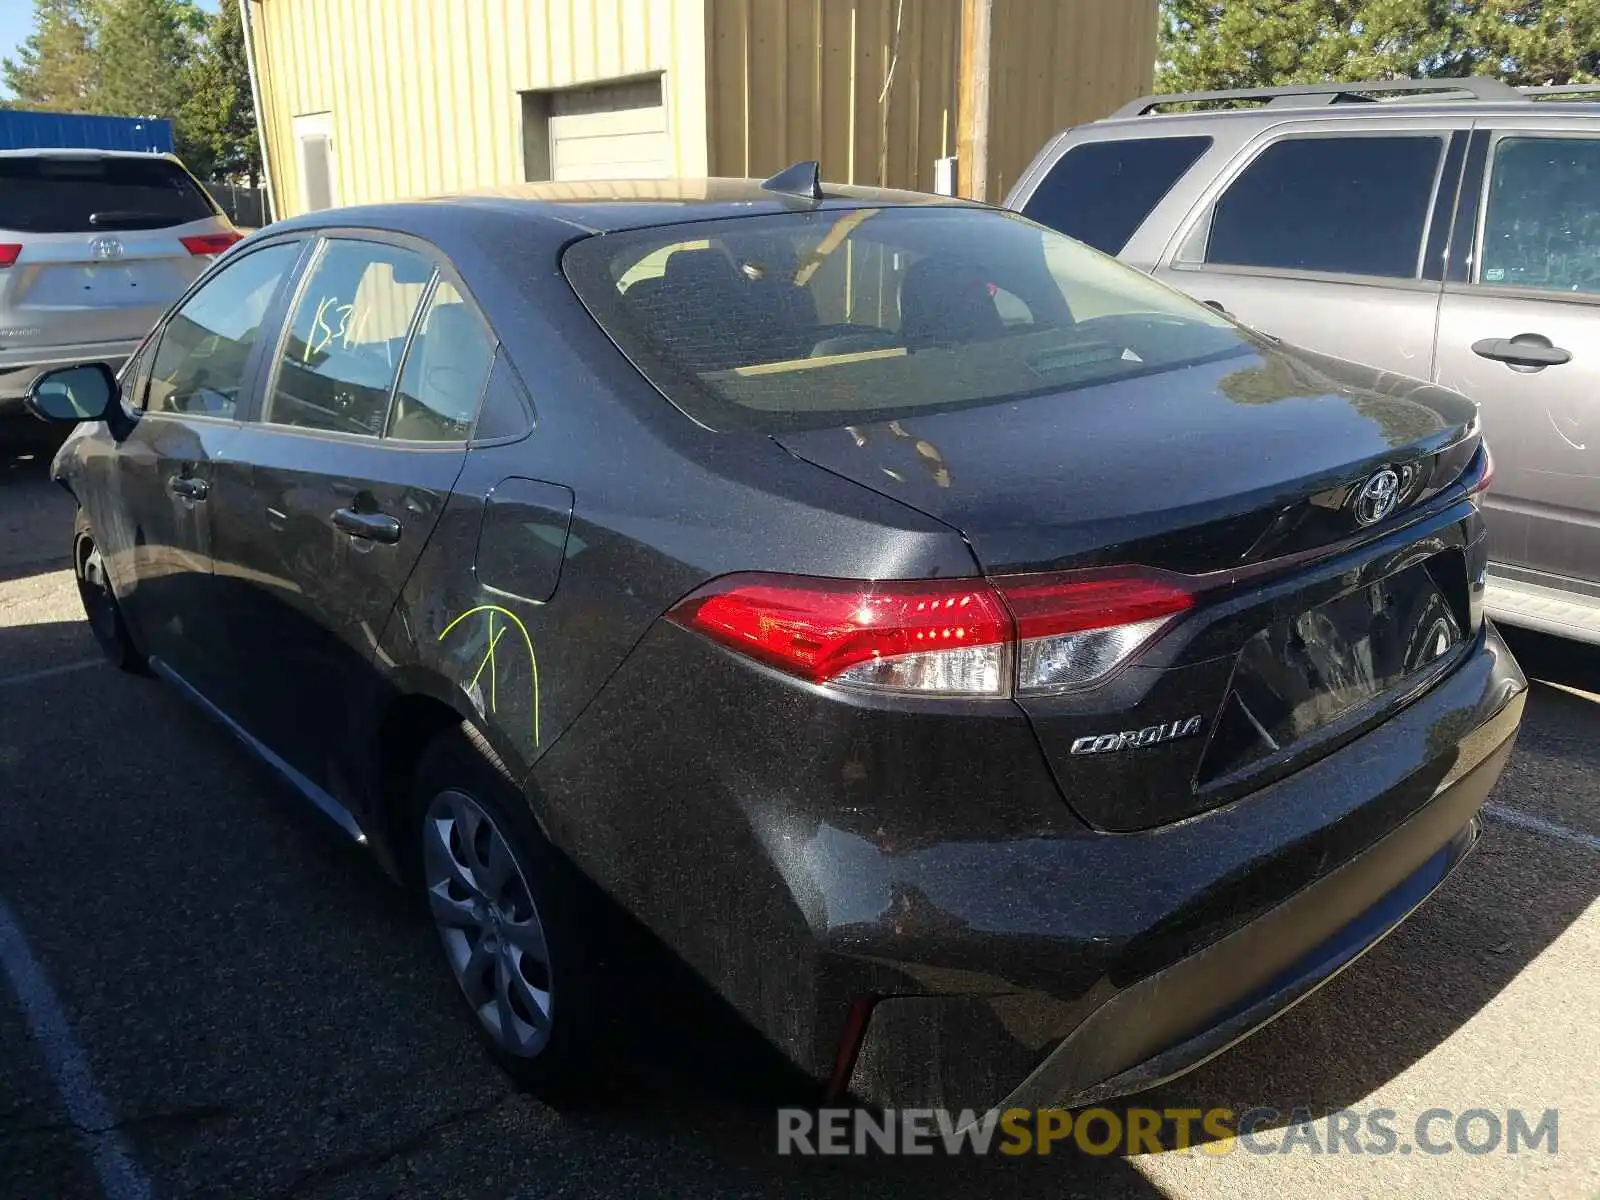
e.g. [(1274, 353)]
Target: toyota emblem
[(1376, 498), (105, 249)]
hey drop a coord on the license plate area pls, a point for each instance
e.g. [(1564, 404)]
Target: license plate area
[(1309, 672)]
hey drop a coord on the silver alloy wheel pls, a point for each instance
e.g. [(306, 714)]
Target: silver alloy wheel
[(484, 912)]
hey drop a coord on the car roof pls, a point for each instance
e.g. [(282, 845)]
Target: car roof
[(607, 206)]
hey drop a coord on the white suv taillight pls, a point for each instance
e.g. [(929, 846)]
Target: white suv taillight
[(1021, 634)]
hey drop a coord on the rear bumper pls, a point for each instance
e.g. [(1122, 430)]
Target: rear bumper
[(809, 854), (19, 368), (1133, 1033)]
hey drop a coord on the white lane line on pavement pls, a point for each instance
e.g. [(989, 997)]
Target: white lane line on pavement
[(1539, 825), (120, 1177), (50, 672)]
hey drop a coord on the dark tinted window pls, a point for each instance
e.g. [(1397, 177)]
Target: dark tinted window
[(505, 405), (199, 365), (1100, 192), (1541, 229), (81, 194), (838, 315), (444, 373), (346, 338), (1355, 205)]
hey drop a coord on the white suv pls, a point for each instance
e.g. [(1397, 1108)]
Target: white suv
[(95, 245)]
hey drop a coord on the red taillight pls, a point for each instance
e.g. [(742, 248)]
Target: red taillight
[(1053, 604), (211, 243), (1485, 472), (949, 637), (1074, 630), (8, 253), (1028, 634)]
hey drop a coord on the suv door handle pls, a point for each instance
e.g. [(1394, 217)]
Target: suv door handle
[(188, 487), (374, 527), (1524, 350)]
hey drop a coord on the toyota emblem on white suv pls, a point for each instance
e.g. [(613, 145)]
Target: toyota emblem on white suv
[(106, 248)]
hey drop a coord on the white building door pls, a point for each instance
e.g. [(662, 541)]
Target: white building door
[(612, 131), (313, 140)]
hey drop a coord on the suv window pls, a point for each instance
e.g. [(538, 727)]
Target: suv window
[(1101, 192), (1349, 205), (82, 193), (445, 371), (1540, 228), (337, 366), (199, 364)]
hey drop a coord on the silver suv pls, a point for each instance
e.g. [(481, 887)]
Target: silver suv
[(1442, 229), (95, 245)]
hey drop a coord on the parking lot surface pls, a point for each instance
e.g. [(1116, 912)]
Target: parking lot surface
[(203, 994)]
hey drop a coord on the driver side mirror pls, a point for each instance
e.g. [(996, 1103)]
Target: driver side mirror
[(83, 393)]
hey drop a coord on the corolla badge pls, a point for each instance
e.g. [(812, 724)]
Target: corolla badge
[(1376, 498), (106, 249), (1137, 739)]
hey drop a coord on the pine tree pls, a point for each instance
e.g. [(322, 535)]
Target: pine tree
[(57, 67), (144, 48), (216, 123)]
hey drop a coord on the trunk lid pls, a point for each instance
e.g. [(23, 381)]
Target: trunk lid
[(1244, 469), (1200, 469)]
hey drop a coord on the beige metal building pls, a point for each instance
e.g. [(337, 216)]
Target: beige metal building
[(365, 100)]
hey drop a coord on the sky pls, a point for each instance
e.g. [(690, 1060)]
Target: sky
[(16, 23)]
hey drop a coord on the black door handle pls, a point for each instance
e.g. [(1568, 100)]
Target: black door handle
[(1524, 350), (374, 527), (188, 487)]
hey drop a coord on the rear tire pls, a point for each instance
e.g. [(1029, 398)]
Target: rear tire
[(100, 602), (514, 919)]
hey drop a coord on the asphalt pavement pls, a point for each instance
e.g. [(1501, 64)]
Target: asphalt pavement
[(207, 995)]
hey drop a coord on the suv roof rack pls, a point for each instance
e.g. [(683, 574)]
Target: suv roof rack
[(1474, 87), (1562, 89)]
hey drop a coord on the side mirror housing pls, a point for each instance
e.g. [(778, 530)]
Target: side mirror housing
[(84, 393)]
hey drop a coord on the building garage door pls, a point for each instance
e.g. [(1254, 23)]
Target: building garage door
[(614, 131)]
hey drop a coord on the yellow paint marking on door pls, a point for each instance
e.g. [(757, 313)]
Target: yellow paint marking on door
[(489, 659)]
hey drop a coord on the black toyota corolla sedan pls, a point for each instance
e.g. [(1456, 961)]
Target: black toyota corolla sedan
[(994, 677)]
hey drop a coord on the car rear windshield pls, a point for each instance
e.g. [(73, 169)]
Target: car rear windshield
[(835, 316), (82, 194)]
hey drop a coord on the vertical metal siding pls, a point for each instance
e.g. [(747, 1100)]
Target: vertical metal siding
[(1060, 64), (424, 94), (796, 79)]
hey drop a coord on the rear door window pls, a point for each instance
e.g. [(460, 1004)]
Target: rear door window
[(1540, 229), (1101, 192), (84, 193), (445, 372), (1345, 205), (338, 363)]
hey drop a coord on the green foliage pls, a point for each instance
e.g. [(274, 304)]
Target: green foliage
[(1208, 44), (146, 58), (56, 68), (145, 48), (216, 119)]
